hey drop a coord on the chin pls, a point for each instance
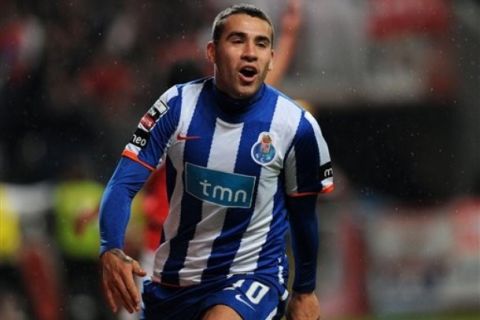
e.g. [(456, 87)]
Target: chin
[(249, 91)]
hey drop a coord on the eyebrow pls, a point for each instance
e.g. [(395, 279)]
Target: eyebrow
[(244, 35)]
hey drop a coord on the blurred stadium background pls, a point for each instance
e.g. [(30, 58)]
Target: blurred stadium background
[(394, 84)]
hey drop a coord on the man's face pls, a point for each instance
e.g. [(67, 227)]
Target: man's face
[(242, 56)]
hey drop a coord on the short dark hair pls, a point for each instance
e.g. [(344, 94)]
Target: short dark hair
[(251, 10)]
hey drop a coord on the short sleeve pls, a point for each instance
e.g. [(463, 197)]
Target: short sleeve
[(308, 168)]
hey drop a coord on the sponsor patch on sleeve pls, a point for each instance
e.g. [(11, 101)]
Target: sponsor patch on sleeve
[(326, 171), (149, 119), (147, 122), (140, 138)]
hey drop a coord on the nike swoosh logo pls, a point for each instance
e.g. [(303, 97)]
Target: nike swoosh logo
[(185, 137), (240, 298)]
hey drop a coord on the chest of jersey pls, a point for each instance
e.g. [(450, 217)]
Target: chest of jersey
[(222, 162)]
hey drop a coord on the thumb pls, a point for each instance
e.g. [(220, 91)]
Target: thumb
[(138, 270)]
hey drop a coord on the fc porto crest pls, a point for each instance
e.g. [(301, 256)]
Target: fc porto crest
[(264, 152)]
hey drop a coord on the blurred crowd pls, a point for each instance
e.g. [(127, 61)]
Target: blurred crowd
[(75, 74)]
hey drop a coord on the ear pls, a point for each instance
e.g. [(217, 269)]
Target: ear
[(211, 52), (270, 64)]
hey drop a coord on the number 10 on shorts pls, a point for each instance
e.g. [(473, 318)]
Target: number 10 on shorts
[(255, 292)]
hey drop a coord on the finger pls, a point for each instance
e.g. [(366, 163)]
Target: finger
[(123, 294), (121, 303), (138, 270), (131, 288), (123, 300), (119, 300), (109, 296)]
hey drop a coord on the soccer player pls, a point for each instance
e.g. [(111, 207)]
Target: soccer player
[(244, 163)]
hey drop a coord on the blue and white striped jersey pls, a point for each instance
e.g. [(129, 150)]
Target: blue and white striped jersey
[(230, 165)]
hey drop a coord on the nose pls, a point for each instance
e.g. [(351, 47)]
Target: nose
[(249, 51)]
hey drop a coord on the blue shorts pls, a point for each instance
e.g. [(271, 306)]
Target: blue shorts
[(251, 298)]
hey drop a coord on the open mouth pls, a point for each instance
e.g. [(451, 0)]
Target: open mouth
[(248, 72)]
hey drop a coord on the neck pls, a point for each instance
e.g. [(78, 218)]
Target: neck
[(232, 104)]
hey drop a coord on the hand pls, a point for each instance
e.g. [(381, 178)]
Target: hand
[(292, 17), (303, 306), (118, 281)]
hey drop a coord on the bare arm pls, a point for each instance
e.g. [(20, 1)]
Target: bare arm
[(291, 21)]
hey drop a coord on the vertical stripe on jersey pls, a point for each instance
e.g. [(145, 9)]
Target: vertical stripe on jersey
[(237, 220), (189, 96), (307, 180), (322, 144), (201, 125), (223, 152), (262, 250), (171, 176), (311, 147)]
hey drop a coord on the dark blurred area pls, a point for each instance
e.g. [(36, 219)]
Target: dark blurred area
[(394, 84), (74, 75)]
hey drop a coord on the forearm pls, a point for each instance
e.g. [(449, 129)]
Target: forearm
[(126, 181), (284, 54), (304, 234), (284, 51)]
